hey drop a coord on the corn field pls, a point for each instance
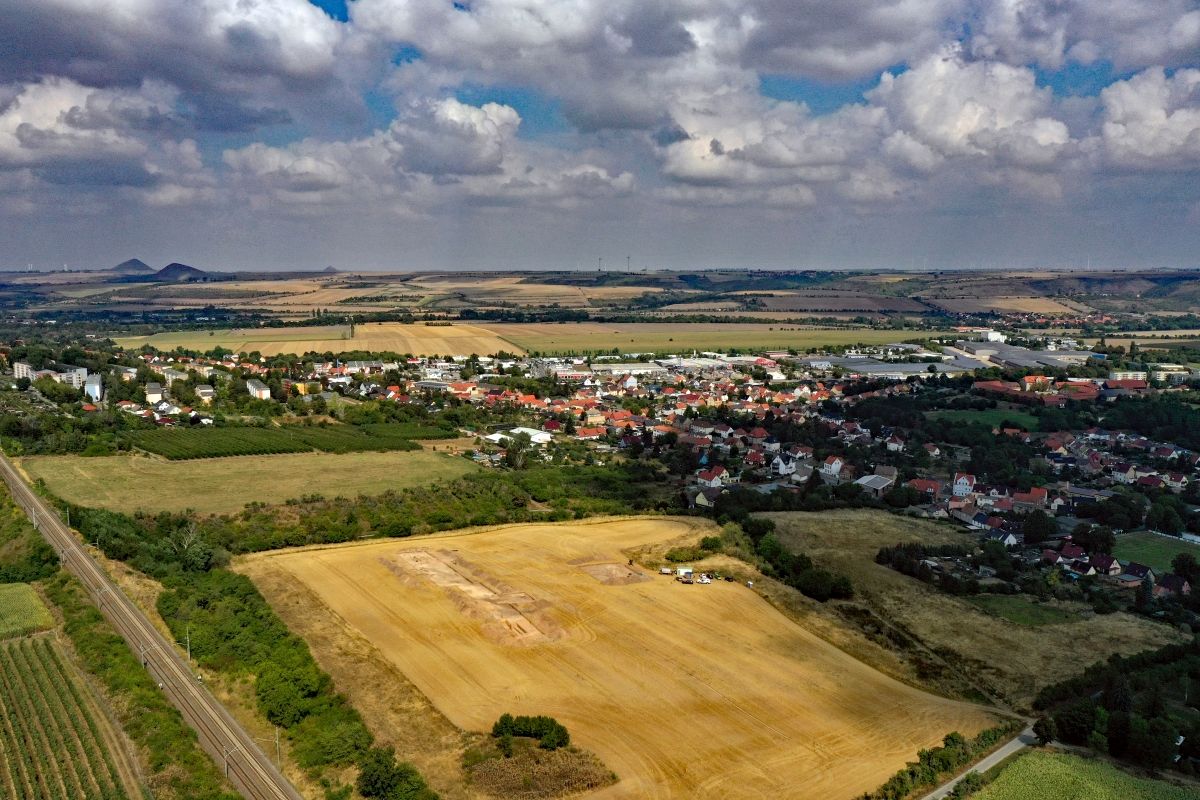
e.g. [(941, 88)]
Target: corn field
[(53, 743)]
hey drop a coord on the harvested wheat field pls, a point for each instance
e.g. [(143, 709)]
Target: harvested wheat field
[(684, 337), (1008, 305), (397, 337), (699, 690)]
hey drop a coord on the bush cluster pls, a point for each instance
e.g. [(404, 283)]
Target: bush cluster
[(549, 732), (939, 763), (795, 569)]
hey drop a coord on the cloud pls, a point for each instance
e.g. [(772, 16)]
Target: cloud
[(268, 110), (438, 153), (447, 137), (960, 108), (1052, 32), (1153, 121), (847, 39), (220, 53)]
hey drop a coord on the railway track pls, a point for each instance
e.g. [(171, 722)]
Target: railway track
[(237, 754)]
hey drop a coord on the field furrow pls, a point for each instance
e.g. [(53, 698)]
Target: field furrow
[(35, 748), (53, 742), (72, 760), (90, 732), (14, 754)]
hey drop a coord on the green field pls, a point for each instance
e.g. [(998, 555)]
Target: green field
[(21, 610), (1021, 609), (225, 485), (1152, 550), (994, 417), (185, 443), (1057, 776)]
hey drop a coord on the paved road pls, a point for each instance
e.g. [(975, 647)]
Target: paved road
[(235, 752), (1024, 739)]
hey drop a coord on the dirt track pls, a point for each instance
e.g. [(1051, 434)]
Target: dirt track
[(680, 689)]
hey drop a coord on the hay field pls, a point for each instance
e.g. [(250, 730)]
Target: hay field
[(521, 289), (1005, 305), (225, 485), (840, 301), (683, 337), (957, 645), (416, 339), (681, 690), (487, 338)]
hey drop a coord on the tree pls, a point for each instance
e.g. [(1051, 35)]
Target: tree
[(1186, 565), (1094, 538), (1151, 744), (1076, 721), (380, 776), (1045, 730), (1118, 695), (1038, 527), (516, 450), (1164, 518), (1145, 594)]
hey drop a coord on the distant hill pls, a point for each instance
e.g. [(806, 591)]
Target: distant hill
[(133, 266), (180, 272)]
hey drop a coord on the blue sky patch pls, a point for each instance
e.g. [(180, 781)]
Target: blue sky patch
[(1079, 80), (337, 9), (540, 115), (820, 97), (406, 54)]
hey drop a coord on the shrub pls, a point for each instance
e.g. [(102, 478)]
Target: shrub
[(382, 777), (549, 731)]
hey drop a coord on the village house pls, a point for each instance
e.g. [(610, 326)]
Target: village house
[(1172, 586), (831, 470), (713, 478)]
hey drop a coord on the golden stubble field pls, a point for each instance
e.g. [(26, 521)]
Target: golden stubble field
[(416, 339), (699, 690)]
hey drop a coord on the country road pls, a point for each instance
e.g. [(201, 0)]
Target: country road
[(233, 749), (1024, 739)]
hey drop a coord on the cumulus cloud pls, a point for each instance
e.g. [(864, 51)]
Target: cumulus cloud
[(225, 56), (1052, 32), (447, 137), (846, 39), (962, 108), (438, 153), (1152, 120), (269, 108)]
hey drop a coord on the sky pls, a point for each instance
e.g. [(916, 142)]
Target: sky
[(562, 134)]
